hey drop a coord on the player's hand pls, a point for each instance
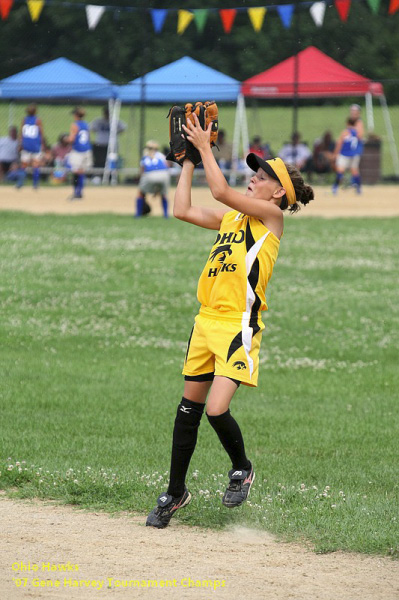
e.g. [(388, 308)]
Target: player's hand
[(199, 137)]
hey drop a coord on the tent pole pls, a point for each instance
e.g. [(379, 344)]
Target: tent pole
[(296, 70), (295, 96), (142, 117), (391, 137), (369, 112), (245, 136), (110, 118), (236, 140), (113, 155), (11, 107), (131, 124)]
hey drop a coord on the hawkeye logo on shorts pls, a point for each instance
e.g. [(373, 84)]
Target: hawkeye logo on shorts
[(223, 250), (240, 365)]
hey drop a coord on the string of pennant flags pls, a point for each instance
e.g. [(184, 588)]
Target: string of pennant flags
[(199, 16)]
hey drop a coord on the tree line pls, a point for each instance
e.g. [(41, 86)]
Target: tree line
[(125, 46)]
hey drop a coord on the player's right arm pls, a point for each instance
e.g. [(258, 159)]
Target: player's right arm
[(183, 210), (72, 133), (20, 135), (339, 143), (359, 129)]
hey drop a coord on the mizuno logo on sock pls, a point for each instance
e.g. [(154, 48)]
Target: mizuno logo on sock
[(185, 409), (163, 498), (237, 473)]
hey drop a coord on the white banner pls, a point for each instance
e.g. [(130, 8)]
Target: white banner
[(94, 14), (317, 11)]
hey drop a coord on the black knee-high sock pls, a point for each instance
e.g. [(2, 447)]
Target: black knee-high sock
[(229, 434), (185, 434)]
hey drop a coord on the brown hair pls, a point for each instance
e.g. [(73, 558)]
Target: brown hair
[(31, 109), (304, 193), (79, 112)]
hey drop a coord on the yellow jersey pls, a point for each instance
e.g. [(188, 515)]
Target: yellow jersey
[(239, 266)]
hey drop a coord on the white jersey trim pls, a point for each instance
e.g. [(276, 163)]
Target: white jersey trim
[(247, 331)]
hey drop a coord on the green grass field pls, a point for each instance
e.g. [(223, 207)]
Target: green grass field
[(273, 123), (96, 312)]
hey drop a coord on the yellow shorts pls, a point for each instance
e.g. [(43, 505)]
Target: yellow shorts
[(226, 344)]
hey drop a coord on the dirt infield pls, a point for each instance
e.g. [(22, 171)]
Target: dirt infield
[(376, 201), (195, 563)]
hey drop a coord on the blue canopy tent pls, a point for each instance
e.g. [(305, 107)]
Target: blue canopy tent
[(183, 80), (58, 79), (180, 81)]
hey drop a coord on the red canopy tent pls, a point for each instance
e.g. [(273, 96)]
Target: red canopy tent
[(319, 76), (310, 74)]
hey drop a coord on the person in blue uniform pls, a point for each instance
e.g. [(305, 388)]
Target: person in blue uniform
[(348, 151), (80, 158), (155, 178), (31, 143)]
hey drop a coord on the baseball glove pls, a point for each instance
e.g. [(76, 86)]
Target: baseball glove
[(211, 114), (180, 147)]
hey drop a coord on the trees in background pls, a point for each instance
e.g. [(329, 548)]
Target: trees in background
[(124, 44)]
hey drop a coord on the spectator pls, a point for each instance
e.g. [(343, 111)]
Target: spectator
[(223, 156), (296, 153), (101, 128), (60, 152), (261, 150), (323, 154), (61, 149), (48, 156), (8, 151), (154, 178), (16, 174)]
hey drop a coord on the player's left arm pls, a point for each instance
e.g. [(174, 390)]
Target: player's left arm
[(221, 191)]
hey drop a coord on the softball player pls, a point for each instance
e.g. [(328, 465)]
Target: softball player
[(31, 142), (355, 113), (80, 158), (155, 178), (348, 151), (223, 350)]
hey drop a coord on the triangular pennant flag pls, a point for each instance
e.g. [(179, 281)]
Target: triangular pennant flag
[(343, 7), (200, 17), (374, 5), (184, 18), (5, 7), (35, 8), (257, 16), (227, 15), (393, 7), (317, 10), (94, 14), (158, 16), (285, 11)]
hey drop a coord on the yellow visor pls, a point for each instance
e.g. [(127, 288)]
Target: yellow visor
[(276, 168)]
